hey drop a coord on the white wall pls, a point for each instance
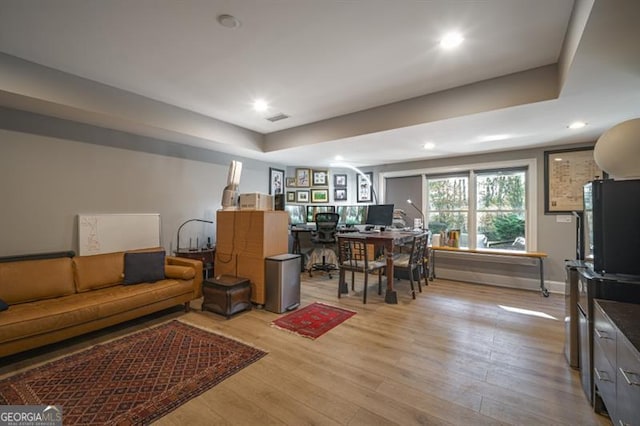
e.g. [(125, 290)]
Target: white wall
[(47, 182)]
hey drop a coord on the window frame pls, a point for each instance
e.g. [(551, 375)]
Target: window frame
[(475, 174), (531, 190)]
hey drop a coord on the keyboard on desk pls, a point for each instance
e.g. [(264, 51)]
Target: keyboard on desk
[(373, 231)]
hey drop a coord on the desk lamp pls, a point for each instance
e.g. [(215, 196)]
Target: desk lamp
[(419, 211)]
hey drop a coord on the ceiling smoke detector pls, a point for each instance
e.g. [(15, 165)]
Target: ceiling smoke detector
[(277, 117), (228, 21)]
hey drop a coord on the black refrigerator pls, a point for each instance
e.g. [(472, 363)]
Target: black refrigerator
[(612, 226)]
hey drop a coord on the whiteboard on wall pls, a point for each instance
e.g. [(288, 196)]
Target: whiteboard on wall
[(108, 233)]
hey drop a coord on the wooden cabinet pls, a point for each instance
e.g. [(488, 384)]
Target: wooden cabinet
[(244, 239), (616, 360)]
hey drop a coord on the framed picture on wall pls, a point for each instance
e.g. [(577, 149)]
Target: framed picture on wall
[(302, 196), (291, 196), (290, 181), (276, 181), (340, 181), (340, 194), (320, 178), (319, 195), (303, 178), (565, 173), (364, 187)]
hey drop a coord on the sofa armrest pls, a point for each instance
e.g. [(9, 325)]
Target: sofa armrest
[(192, 263)]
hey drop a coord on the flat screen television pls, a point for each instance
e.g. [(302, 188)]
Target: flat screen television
[(352, 215), (312, 210), (380, 214), (297, 214)]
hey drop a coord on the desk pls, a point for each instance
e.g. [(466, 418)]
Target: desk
[(207, 257), (507, 253), (387, 240), (295, 230)]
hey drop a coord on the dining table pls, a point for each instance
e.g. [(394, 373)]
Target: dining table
[(387, 240)]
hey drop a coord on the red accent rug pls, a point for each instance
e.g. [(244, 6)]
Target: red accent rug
[(314, 320), (132, 380)]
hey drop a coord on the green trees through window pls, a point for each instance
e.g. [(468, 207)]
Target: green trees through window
[(498, 208)]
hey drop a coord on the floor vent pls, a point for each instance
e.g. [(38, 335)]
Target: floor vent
[(277, 117)]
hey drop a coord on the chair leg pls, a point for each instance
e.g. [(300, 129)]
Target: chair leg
[(353, 281), (366, 284), (413, 291), (419, 279), (425, 273), (379, 282)]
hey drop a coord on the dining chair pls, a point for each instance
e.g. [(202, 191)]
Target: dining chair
[(353, 256), (324, 237), (413, 263)]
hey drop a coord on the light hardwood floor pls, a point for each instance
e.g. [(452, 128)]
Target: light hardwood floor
[(452, 356)]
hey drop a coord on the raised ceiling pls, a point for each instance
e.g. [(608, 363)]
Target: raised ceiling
[(365, 80)]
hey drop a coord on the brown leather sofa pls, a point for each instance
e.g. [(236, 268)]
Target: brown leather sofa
[(54, 299)]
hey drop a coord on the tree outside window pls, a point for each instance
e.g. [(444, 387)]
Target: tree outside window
[(499, 208), (448, 204)]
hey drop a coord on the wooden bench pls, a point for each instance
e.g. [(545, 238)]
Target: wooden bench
[(499, 253)]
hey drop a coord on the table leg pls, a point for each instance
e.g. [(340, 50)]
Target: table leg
[(390, 296), (545, 292)]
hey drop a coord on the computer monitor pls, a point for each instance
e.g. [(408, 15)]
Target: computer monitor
[(297, 214), (352, 215), (380, 214), (312, 210)]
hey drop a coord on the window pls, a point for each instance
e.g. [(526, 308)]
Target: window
[(448, 204), (497, 200), (492, 202), (500, 209)]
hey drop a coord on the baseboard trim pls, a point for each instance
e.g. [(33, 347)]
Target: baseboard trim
[(522, 283)]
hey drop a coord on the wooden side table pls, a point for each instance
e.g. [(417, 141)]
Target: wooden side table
[(206, 255), (226, 295)]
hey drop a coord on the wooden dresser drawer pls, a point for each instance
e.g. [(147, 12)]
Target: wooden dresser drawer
[(604, 332)]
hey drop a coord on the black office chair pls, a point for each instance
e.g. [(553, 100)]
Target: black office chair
[(324, 235)]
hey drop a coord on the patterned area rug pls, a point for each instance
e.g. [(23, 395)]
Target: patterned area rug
[(314, 320), (132, 380)]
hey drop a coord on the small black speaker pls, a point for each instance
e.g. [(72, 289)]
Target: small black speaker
[(278, 202)]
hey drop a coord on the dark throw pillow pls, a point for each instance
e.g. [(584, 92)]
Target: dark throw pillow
[(3, 305), (143, 267)]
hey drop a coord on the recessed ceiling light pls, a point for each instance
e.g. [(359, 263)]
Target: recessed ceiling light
[(338, 158), (577, 125), (228, 21), (260, 105), (451, 40), (429, 145)]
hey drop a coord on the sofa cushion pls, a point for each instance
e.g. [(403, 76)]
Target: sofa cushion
[(45, 316), (143, 267), (98, 271), (28, 280), (3, 305)]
